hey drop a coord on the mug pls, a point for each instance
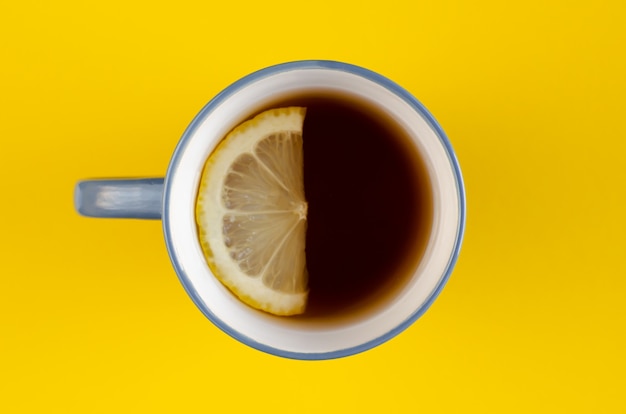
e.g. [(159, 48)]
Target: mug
[(172, 199)]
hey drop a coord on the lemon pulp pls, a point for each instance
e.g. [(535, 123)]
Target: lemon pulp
[(251, 212)]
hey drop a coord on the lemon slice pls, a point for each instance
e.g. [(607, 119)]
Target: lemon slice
[(251, 212)]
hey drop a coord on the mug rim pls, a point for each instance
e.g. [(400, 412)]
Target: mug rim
[(299, 65)]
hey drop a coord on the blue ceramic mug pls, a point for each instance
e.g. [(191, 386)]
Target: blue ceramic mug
[(172, 199)]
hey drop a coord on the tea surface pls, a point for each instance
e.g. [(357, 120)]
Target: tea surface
[(369, 204)]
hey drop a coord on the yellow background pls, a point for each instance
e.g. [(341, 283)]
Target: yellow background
[(531, 94)]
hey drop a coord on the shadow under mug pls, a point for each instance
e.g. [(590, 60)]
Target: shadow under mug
[(172, 199)]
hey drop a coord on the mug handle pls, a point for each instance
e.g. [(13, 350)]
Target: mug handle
[(120, 198)]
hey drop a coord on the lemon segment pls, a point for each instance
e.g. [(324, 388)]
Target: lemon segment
[(251, 212)]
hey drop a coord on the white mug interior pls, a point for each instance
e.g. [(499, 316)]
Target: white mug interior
[(293, 337)]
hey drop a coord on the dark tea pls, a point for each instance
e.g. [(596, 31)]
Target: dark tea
[(369, 204)]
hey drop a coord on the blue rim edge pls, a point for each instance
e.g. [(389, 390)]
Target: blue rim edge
[(315, 64)]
